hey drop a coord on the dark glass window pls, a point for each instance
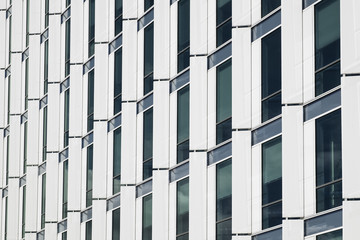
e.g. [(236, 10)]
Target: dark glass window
[(68, 2), (46, 66), (147, 143), (65, 188), (271, 183), (26, 83), (46, 13), (27, 21), (90, 113), (328, 161), (183, 124), (148, 58), (335, 235), (148, 4), (66, 117), (117, 161), (116, 224), (183, 34), (223, 200), (117, 81), (91, 50), (64, 236), (118, 16), (223, 102), (43, 200), (223, 21), (268, 6), (23, 212), (271, 75), (327, 45), (44, 133), (67, 48), (147, 218), (25, 146), (182, 210), (88, 230), (89, 175)]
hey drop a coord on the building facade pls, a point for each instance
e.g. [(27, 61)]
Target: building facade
[(179, 119)]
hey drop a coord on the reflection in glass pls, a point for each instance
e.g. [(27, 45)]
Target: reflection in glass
[(147, 143), (117, 161), (88, 230), (148, 4), (182, 209), (327, 79), (118, 16), (90, 107), (116, 224), (65, 188), (117, 80), (89, 175), (223, 21), (335, 235), (148, 57), (268, 6), (147, 218), (183, 123)]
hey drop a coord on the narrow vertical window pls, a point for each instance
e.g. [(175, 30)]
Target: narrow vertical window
[(88, 230), (223, 200), (117, 161), (268, 6), (23, 212), (183, 124), (148, 144), (46, 13), (117, 81), (43, 200), (27, 21), (9, 99), (223, 102), (148, 58), (147, 218), (328, 161), (327, 45), (182, 210), (67, 48), (6, 218), (90, 108), (148, 4), (116, 224), (89, 175), (183, 34), (271, 75), (7, 158), (65, 188), (223, 21), (46, 66), (10, 34), (118, 16), (25, 146), (66, 117), (91, 50), (335, 235), (26, 83), (68, 2), (271, 183), (44, 134), (64, 236)]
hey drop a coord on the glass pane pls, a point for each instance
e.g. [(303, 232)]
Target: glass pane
[(271, 107), (322, 105), (223, 230), (117, 157), (64, 236), (148, 49), (116, 224), (223, 131), (148, 4), (271, 63), (328, 148), (91, 50), (25, 146), (90, 102), (44, 133), (336, 235), (183, 151), (118, 72), (223, 33), (65, 188), (147, 218), (327, 32), (327, 79), (46, 66), (183, 24), (23, 212), (223, 91), (223, 10), (148, 84), (179, 172), (116, 184), (223, 190), (89, 198), (89, 175), (323, 223), (43, 199), (329, 196), (184, 60), (118, 25), (271, 171), (268, 6), (272, 215), (117, 104), (147, 169), (118, 7), (148, 134), (182, 202), (220, 153), (88, 230), (183, 237), (91, 19), (66, 118), (67, 40), (183, 98)]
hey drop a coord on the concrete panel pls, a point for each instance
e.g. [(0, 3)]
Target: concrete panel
[(100, 160), (241, 13), (102, 22), (198, 103), (53, 118), (15, 149), (16, 98), (76, 32), (291, 51), (199, 26), (16, 30), (256, 83), (54, 48), (101, 82), (130, 9), (76, 101), (211, 25), (127, 214), (13, 209), (256, 193), (351, 218), (211, 109), (293, 229), (241, 78), (160, 208), (138, 217), (74, 174), (73, 231), (308, 54), (2, 161), (99, 219), (52, 178), (34, 66)]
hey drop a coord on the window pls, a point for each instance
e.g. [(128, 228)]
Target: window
[(67, 47), (91, 49), (89, 175), (6, 218), (117, 81), (223, 21), (88, 230), (327, 45), (148, 4), (10, 33), (44, 133), (328, 161), (116, 224), (90, 118), (267, 6), (43, 200), (26, 83), (25, 146), (182, 209), (118, 16), (7, 158), (183, 34), (117, 161), (271, 183), (223, 200), (183, 124), (68, 2), (64, 236), (271, 75), (148, 144), (147, 218), (9, 100), (27, 22), (65, 188), (66, 117), (335, 235), (46, 13), (148, 58), (46, 66), (23, 212), (223, 102)]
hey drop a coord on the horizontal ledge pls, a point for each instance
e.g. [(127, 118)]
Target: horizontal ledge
[(33, 99), (15, 52), (241, 129), (54, 14), (15, 114), (351, 74), (241, 234), (73, 211), (242, 26), (130, 101), (292, 218), (101, 42), (54, 82), (198, 150), (51, 222), (198, 55), (75, 136), (100, 120), (99, 199), (161, 80), (128, 185), (74, 64), (32, 165), (160, 169), (34, 34), (130, 19), (52, 152), (291, 104), (31, 232), (13, 177), (351, 199)]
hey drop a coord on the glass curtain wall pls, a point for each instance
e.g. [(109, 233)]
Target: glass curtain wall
[(223, 21)]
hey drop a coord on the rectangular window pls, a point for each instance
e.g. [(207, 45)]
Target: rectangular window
[(267, 6), (117, 81), (223, 102), (26, 82), (43, 200), (117, 161), (68, 2), (182, 209), (335, 235), (223, 21), (67, 48), (223, 200), (147, 218), (9, 99), (6, 218), (88, 230), (327, 45), (328, 161), (46, 66), (27, 22), (10, 34), (23, 212), (148, 58), (183, 124), (147, 143), (148, 4), (25, 146), (90, 109), (66, 117), (91, 50), (44, 134), (65, 188), (271, 75), (89, 175), (118, 16), (116, 224), (46, 13), (183, 34), (64, 236), (7, 158), (271, 183)]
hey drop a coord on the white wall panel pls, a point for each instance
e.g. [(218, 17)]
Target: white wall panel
[(74, 174), (101, 83), (293, 229), (52, 190), (198, 26), (127, 214), (53, 134), (130, 9), (13, 209), (211, 26), (173, 130), (14, 148), (139, 148), (211, 108), (256, 83), (256, 11), (351, 218), (35, 16), (172, 210), (2, 39), (76, 101), (73, 231), (256, 189), (51, 231), (34, 66), (160, 207), (308, 54), (100, 160), (54, 48), (16, 30), (309, 168), (15, 84), (99, 219), (54, 6), (31, 198), (76, 32), (241, 238), (102, 21), (211, 204), (241, 13), (173, 37)]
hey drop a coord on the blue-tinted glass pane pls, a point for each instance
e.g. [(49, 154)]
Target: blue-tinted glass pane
[(90, 100), (223, 32), (328, 148), (329, 196), (272, 215), (88, 230), (148, 135), (148, 84), (223, 230), (118, 8), (147, 169), (223, 91), (223, 131), (336, 235), (323, 223), (183, 237), (89, 175), (183, 151), (91, 19), (271, 107), (184, 60), (147, 218), (223, 190), (327, 32), (148, 4), (223, 11), (116, 224), (268, 6), (182, 209), (148, 49), (118, 26), (327, 79), (117, 104), (183, 114), (183, 24)]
